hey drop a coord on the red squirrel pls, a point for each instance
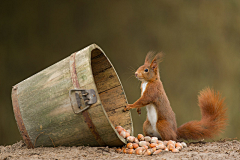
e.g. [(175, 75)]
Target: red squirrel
[(161, 121)]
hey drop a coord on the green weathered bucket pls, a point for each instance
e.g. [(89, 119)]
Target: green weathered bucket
[(77, 101)]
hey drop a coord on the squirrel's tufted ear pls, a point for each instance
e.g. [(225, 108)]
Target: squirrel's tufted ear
[(149, 57), (157, 59)]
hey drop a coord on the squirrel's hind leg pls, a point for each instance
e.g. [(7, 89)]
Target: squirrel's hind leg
[(166, 131), (148, 130)]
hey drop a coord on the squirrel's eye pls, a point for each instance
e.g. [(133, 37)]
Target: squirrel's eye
[(146, 70)]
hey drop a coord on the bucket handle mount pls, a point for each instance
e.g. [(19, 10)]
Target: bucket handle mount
[(81, 99)]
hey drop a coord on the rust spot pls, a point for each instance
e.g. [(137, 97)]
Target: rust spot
[(85, 113), (19, 119)]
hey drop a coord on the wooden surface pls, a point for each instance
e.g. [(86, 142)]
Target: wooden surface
[(110, 90), (46, 109)]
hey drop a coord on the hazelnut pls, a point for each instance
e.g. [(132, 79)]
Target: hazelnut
[(144, 143), (154, 140), (124, 150), (139, 151), (184, 144), (178, 145), (165, 143), (154, 149), (148, 152), (135, 145), (136, 140), (130, 139), (152, 145), (119, 129), (146, 147), (123, 134), (147, 138), (140, 137), (130, 151), (175, 150), (157, 151), (130, 145), (171, 142), (170, 147), (161, 146), (119, 150), (127, 134)]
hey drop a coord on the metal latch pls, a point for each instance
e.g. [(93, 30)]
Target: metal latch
[(81, 99)]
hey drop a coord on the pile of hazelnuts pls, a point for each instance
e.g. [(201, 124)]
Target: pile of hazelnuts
[(141, 145)]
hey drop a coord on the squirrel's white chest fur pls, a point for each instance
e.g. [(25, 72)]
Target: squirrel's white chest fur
[(151, 112), (144, 85)]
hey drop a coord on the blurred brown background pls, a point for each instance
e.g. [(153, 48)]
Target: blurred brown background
[(201, 40)]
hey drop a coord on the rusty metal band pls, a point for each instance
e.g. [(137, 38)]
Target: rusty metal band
[(19, 119), (85, 113)]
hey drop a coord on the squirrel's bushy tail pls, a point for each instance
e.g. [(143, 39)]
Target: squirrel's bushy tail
[(213, 118)]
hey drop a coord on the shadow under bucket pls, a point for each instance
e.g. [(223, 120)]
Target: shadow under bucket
[(77, 101)]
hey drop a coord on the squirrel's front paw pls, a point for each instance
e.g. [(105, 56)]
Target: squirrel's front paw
[(139, 111), (127, 108)]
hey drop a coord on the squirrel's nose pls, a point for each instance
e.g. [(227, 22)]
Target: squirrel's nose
[(136, 74)]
